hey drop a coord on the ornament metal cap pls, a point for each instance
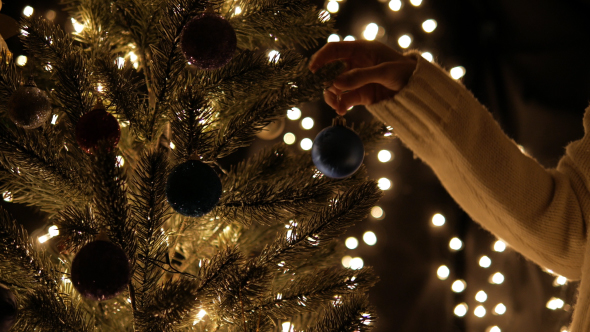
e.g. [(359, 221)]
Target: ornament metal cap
[(31, 82), (99, 105)]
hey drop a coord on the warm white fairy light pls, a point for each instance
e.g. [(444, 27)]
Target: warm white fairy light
[(479, 311), (461, 310), (53, 231), (493, 329), (274, 56), (351, 243), (79, 27), (48, 67), (288, 327), (500, 309), (499, 246), (456, 243), (416, 3), (324, 16), (294, 113), (481, 296), (200, 315), (384, 183), (443, 272), (485, 262), (51, 15), (404, 41), (429, 25), (384, 156), (497, 278), (356, 263), (120, 62), (349, 38), (289, 138), (132, 56), (43, 238), (346, 261), (371, 31), (307, 123), (306, 144), (563, 329), (172, 145), (120, 161), (377, 212), (7, 196), (21, 60), (28, 11), (428, 56), (560, 281), (458, 286), (238, 10), (333, 6), (395, 5), (333, 38), (370, 238), (438, 220), (457, 72), (555, 303)]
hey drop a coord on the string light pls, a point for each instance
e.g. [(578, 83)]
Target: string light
[(43, 238), (371, 31), (349, 38), (443, 272), (356, 263), (384, 183), (458, 286), (457, 72), (120, 62), (21, 60), (333, 6), (7, 196), (120, 161), (493, 329), (497, 278), (307, 123), (479, 311), (438, 219), (461, 310), (172, 145), (54, 119), (132, 56), (288, 327), (346, 261), (238, 10), (485, 262), (404, 41), (377, 212), (289, 138), (429, 25), (77, 25), (481, 296), (384, 156), (274, 56), (555, 303), (53, 231), (500, 309), (28, 11), (324, 16), (351, 243), (333, 38), (499, 246), (294, 113), (428, 56), (202, 313), (416, 3), (306, 144), (51, 15), (370, 238), (560, 281), (395, 5), (455, 244)]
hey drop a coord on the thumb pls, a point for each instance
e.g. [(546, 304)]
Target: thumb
[(392, 75)]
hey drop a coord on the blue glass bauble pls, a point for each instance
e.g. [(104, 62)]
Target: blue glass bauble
[(193, 188), (337, 152)]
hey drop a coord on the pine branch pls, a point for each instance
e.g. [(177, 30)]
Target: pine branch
[(77, 226), (354, 314), (52, 46), (10, 79)]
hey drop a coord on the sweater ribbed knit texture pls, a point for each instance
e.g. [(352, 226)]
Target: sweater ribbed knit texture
[(539, 212)]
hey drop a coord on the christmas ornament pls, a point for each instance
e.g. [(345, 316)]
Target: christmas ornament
[(272, 130), (29, 107), (100, 270), (96, 126), (8, 309), (337, 151), (208, 41), (193, 188)]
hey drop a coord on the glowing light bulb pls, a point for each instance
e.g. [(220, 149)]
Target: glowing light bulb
[(346, 261), (132, 56), (307, 123), (461, 310), (371, 31), (294, 113), (351, 243), (479, 311), (289, 138), (377, 212), (493, 329), (395, 5), (51, 15), (443, 272), (333, 38), (288, 327), (28, 11), (274, 56), (485, 262), (404, 41), (429, 25), (21, 60), (53, 231), (497, 278), (356, 263), (120, 62), (306, 144), (324, 16), (349, 38), (481, 296), (7, 196), (370, 238), (457, 72), (458, 286), (77, 26), (120, 161), (455, 244), (416, 3), (43, 238), (438, 220), (500, 309), (172, 145), (384, 183), (555, 303), (560, 281), (499, 246), (238, 10), (333, 6), (428, 56), (384, 156)]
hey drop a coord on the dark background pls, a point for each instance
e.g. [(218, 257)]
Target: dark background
[(527, 62)]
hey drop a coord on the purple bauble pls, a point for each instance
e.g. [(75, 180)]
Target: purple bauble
[(337, 152), (100, 270), (208, 41), (29, 107), (8, 309), (96, 126)]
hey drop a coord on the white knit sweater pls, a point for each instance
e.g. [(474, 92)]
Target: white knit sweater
[(541, 213)]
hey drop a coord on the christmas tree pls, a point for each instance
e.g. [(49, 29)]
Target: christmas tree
[(119, 133)]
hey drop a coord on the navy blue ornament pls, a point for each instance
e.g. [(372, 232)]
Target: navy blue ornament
[(100, 270), (337, 151), (7, 309), (208, 41), (193, 188)]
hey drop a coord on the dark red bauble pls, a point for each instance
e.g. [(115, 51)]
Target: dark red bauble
[(100, 270), (208, 41), (29, 107), (8, 309), (96, 126)]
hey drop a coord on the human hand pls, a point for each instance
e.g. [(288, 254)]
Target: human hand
[(375, 72)]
